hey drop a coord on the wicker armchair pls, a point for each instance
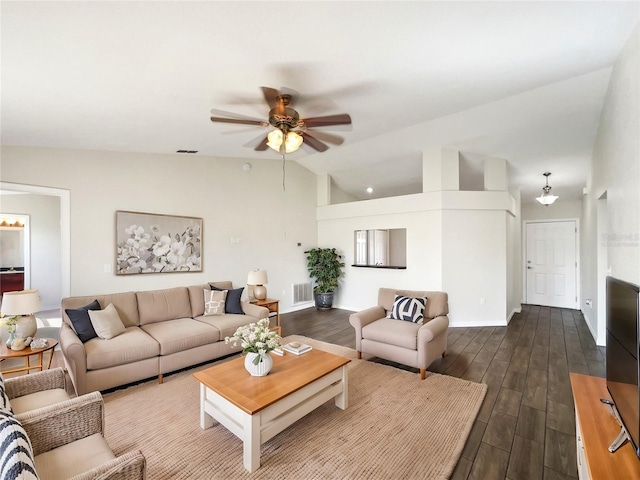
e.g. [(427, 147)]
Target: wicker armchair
[(68, 442), (36, 390)]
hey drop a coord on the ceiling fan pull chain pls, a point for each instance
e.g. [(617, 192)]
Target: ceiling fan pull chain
[(283, 171)]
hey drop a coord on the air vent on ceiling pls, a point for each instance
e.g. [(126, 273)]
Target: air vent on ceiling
[(186, 151)]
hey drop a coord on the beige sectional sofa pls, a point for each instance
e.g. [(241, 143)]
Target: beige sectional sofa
[(165, 330)]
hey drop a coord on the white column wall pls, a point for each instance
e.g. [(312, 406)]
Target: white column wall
[(475, 266)]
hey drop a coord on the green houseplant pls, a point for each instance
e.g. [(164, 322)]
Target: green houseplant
[(325, 265)]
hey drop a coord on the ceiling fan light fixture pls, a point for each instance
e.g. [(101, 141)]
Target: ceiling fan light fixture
[(275, 139), (292, 142), (546, 198)]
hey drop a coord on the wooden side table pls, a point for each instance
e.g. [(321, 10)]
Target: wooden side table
[(6, 353), (274, 310)]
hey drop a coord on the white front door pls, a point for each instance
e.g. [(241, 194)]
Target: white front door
[(551, 264)]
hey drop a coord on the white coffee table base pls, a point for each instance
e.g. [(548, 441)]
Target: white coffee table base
[(256, 429)]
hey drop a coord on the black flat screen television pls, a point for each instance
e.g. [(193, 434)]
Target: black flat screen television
[(623, 369)]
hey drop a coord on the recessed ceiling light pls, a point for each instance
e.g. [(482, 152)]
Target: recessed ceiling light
[(369, 190)]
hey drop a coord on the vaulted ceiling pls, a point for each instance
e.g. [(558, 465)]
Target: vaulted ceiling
[(524, 81)]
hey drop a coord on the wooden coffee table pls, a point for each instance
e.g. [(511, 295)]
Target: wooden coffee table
[(6, 353), (256, 409)]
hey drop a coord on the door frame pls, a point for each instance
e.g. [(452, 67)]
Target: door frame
[(65, 227), (525, 223)]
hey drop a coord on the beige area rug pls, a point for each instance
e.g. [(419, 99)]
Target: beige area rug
[(396, 426)]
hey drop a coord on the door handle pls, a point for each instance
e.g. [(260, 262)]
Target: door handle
[(529, 268)]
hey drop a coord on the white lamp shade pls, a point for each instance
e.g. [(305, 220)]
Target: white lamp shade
[(546, 198), (25, 302), (257, 277), (275, 140), (292, 142)]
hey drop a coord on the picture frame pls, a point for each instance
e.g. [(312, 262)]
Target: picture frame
[(157, 243)]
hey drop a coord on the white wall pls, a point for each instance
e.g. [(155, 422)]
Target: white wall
[(614, 175), (474, 271), (250, 206), (359, 286), (44, 227), (514, 257), (456, 242)]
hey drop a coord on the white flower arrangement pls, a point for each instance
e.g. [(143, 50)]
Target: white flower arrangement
[(10, 322), (256, 338)]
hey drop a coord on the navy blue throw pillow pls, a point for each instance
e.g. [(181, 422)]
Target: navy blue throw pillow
[(233, 303), (81, 322)]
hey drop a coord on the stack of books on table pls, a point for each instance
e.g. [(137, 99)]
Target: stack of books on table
[(297, 348)]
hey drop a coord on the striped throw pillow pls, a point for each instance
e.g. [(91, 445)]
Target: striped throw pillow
[(16, 454), (408, 309), (5, 406)]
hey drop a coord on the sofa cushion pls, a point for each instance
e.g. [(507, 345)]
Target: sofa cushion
[(437, 302), (408, 309), (132, 345), (214, 301), (16, 455), (181, 334), (226, 324), (233, 303), (196, 299), (87, 453), (160, 305), (81, 322), (40, 399), (106, 323), (392, 332), (126, 304)]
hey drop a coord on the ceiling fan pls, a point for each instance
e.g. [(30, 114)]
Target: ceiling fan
[(290, 131)]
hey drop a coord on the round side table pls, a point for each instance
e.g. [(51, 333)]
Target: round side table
[(6, 353)]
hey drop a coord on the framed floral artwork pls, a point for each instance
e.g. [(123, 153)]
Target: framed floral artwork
[(153, 243)]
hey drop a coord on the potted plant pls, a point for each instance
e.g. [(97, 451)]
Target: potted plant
[(325, 265)]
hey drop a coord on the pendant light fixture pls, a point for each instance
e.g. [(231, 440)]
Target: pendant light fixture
[(546, 198)]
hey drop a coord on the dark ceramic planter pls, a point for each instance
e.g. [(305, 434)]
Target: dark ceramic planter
[(324, 301)]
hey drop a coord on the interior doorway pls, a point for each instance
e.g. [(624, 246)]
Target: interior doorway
[(552, 263), (65, 228)]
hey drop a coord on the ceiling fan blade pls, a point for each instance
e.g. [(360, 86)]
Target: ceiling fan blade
[(255, 143), (328, 137), (270, 96), (237, 120), (314, 142), (262, 146), (339, 119), (223, 113)]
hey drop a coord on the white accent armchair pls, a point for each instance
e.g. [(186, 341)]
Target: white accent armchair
[(412, 344)]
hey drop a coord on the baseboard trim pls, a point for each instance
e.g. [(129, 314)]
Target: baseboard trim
[(513, 312)]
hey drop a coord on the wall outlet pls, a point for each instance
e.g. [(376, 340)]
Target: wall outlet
[(481, 300), (107, 268)]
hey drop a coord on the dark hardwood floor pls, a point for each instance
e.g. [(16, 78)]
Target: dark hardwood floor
[(526, 426)]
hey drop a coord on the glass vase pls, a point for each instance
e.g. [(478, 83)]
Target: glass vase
[(10, 339)]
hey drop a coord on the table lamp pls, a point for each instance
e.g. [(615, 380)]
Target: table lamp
[(22, 304), (258, 278)]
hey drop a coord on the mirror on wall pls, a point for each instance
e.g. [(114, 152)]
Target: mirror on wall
[(380, 248)]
